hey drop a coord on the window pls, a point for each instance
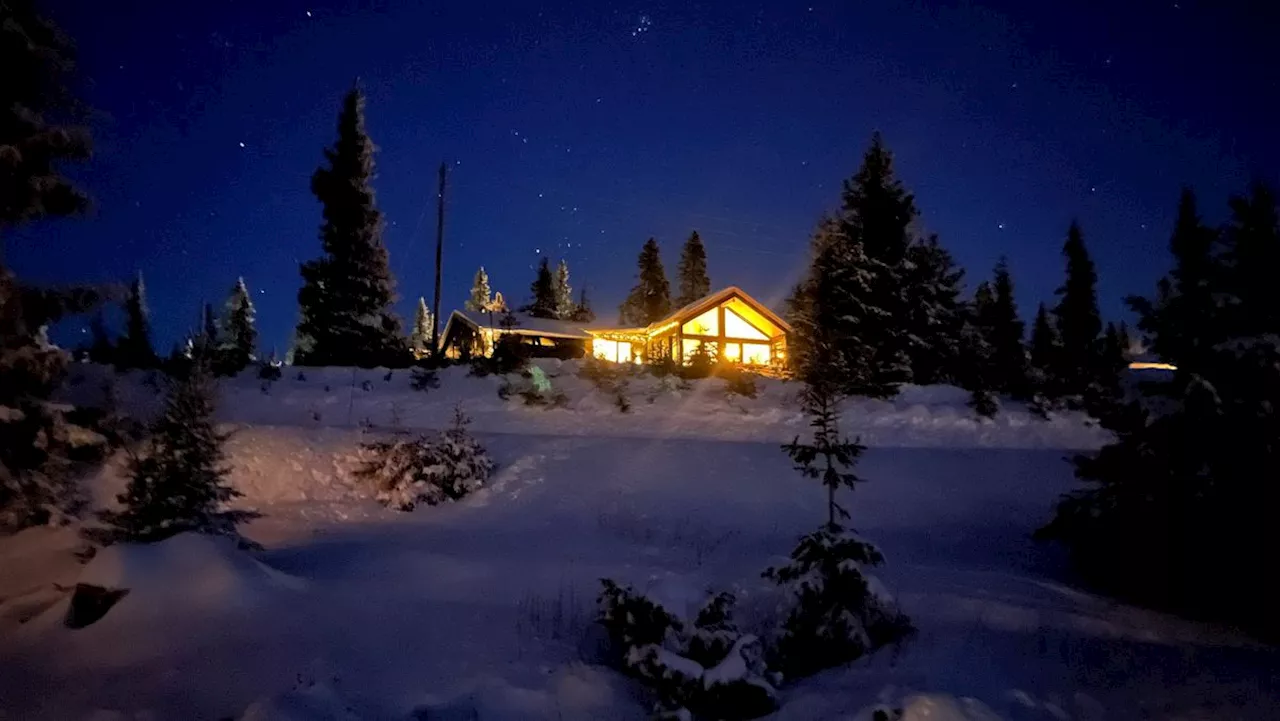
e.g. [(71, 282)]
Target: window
[(611, 350), (755, 353), (733, 352), (736, 327), (689, 346), (706, 324)]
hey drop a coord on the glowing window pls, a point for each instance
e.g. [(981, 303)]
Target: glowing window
[(736, 327), (755, 353), (624, 352), (733, 351), (605, 349), (688, 346), (706, 324)]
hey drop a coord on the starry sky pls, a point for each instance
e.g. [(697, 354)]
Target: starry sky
[(579, 129)]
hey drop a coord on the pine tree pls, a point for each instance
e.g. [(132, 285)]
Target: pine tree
[(826, 346), (480, 294), (209, 336), (650, 300), (563, 292), (101, 348), (1079, 323), (1005, 332), (694, 283), (38, 60), (543, 290), (1179, 510), (499, 304), (582, 312), (420, 338), (347, 295), (935, 318), (134, 349), (1045, 349), (178, 484), (238, 342)]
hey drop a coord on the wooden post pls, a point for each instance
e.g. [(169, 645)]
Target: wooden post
[(435, 315)]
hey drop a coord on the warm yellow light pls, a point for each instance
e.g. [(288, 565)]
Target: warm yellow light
[(755, 353), (1143, 366), (706, 324)]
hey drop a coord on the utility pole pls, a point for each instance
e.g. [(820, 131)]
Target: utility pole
[(435, 316)]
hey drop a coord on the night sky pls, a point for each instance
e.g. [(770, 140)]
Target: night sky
[(578, 130)]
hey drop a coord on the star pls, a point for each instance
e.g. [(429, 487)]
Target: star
[(242, 145), (1000, 226), (308, 13)]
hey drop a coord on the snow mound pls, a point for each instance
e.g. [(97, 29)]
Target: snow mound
[(313, 703), (931, 707), (189, 569), (573, 693)]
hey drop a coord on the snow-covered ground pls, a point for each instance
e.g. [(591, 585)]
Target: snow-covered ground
[(482, 609)]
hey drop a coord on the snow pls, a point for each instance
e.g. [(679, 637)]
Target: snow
[(483, 608)]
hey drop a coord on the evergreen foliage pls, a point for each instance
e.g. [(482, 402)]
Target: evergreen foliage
[(1179, 510), (563, 293), (543, 292), (427, 470), (38, 61), (582, 312), (134, 350), (1044, 351), (178, 483), (1078, 322), (347, 295), (420, 337), (935, 317), (997, 317), (209, 338), (693, 283), (238, 343), (650, 300), (480, 297)]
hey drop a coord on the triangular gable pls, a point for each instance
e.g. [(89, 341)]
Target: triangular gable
[(702, 305)]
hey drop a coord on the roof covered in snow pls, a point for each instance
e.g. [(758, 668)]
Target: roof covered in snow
[(525, 324)]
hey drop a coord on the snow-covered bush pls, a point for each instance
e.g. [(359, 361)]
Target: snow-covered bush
[(409, 472), (836, 613), (611, 379), (423, 379), (738, 381), (705, 668)]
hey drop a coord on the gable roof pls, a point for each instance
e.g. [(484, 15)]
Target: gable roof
[(707, 302), (525, 325)]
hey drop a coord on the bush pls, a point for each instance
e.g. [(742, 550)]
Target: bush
[(409, 472), (422, 379), (707, 668), (608, 378), (837, 613), (702, 364), (269, 372), (738, 381)]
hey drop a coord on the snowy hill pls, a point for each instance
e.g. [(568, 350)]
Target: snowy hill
[(482, 609)]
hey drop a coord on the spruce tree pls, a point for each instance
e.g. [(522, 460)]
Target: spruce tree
[(1079, 323), (237, 346), (209, 336), (694, 283), (562, 292), (347, 295), (1005, 332), (1044, 351), (134, 349), (543, 292), (650, 300), (582, 312), (178, 483), (1179, 510), (420, 338), (935, 318), (480, 297), (826, 346)]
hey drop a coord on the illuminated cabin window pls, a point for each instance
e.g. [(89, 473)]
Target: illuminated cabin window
[(706, 324), (736, 327), (755, 353), (611, 350), (690, 345), (732, 352)]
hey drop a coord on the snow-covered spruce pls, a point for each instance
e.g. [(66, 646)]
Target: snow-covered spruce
[(837, 613), (178, 483), (706, 668), (409, 472)]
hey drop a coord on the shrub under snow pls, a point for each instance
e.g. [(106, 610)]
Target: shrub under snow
[(706, 668), (836, 613), (408, 472)]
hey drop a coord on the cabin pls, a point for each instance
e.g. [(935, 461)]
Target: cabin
[(728, 324)]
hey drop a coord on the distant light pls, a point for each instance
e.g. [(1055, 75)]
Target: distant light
[(242, 145), (1144, 366), (308, 13)]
